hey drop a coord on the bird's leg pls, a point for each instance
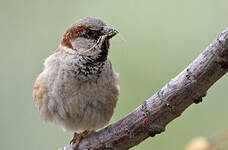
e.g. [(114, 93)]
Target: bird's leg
[(77, 138)]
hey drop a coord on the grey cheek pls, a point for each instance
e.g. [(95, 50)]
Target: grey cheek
[(82, 43)]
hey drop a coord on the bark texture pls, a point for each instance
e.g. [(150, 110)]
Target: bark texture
[(154, 114)]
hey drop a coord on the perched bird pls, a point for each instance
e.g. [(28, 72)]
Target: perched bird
[(78, 87)]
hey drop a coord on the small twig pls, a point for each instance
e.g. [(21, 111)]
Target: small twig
[(154, 114)]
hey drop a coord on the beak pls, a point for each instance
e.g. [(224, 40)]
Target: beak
[(109, 32)]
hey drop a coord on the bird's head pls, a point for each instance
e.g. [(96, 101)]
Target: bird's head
[(88, 36)]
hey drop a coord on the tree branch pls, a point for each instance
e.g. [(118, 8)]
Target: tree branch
[(154, 114)]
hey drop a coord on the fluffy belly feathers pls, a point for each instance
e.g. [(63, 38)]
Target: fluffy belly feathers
[(73, 104)]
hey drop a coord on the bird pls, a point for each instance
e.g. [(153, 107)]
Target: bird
[(78, 87)]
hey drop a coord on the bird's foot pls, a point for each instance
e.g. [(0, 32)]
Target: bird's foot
[(77, 138)]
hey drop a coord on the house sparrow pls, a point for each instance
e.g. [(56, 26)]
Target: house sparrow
[(78, 87)]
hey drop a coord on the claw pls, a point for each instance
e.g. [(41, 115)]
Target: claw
[(77, 138)]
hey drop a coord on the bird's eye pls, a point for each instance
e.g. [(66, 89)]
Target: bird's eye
[(92, 34)]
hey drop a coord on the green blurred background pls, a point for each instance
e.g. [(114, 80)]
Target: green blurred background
[(157, 40)]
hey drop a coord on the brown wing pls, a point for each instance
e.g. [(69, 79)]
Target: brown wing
[(40, 92)]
